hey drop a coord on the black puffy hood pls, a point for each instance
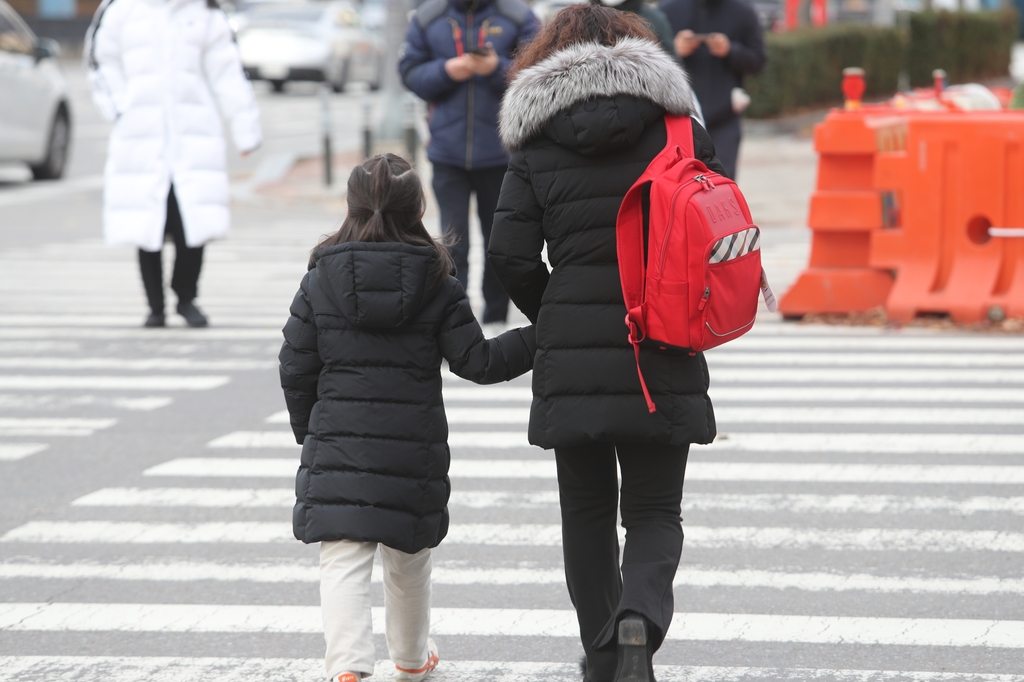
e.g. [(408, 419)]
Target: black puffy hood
[(377, 285), (594, 98)]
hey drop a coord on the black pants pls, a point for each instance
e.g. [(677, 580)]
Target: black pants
[(652, 490), (452, 187), (726, 136), (187, 263)]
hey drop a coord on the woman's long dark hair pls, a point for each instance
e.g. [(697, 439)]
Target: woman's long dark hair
[(386, 204), (577, 24)]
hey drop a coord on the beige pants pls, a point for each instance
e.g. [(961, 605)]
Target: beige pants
[(345, 568)]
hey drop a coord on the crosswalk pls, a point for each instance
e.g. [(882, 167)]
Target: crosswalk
[(869, 521)]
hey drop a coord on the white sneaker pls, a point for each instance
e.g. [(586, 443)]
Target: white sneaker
[(348, 677), (407, 675)]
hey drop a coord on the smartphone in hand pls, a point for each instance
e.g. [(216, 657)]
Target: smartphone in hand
[(480, 50)]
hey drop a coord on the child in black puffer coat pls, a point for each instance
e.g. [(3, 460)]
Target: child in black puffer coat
[(374, 317)]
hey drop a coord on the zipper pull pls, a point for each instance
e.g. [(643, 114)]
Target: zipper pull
[(704, 299)]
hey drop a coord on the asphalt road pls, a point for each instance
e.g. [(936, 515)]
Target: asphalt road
[(859, 519)]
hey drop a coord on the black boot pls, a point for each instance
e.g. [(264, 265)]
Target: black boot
[(634, 652), (192, 314), (155, 320)]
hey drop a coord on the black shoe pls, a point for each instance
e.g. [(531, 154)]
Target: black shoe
[(192, 314), (155, 320), (634, 654)]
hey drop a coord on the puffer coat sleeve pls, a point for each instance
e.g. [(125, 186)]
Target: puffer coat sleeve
[(515, 247), (103, 60), (475, 358), (223, 66), (515, 250), (300, 362)]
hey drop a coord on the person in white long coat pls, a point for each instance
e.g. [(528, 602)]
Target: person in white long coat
[(159, 69)]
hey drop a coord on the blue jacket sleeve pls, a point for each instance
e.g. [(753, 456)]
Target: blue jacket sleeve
[(498, 81), (422, 72)]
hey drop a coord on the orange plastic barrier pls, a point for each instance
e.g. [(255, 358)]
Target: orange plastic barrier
[(845, 211), (953, 176)]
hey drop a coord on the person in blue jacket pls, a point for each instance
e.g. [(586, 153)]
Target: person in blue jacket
[(456, 55)]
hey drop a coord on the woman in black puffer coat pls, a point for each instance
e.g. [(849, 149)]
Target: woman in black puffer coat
[(583, 117)]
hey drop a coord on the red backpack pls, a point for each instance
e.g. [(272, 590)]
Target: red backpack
[(698, 287)]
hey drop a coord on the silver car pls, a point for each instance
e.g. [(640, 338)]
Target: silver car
[(311, 42), (35, 119)]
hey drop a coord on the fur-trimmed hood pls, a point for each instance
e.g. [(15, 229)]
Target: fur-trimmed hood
[(578, 73)]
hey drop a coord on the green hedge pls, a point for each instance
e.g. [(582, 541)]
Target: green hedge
[(805, 66), (970, 46)]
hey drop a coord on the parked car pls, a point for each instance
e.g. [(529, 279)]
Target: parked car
[(311, 42), (35, 119)]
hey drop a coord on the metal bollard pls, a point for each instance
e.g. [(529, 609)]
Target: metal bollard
[(325, 130), (367, 131), (411, 138)]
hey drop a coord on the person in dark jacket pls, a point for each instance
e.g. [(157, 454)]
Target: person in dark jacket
[(583, 118), (456, 56), (656, 19), (721, 43), (374, 317)]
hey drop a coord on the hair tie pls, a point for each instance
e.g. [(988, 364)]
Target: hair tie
[(377, 211)]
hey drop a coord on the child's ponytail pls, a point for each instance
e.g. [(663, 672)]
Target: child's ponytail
[(386, 204)]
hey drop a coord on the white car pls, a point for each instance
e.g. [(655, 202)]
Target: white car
[(35, 119), (311, 42)]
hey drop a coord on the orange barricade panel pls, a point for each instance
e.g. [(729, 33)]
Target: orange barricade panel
[(845, 210), (959, 175)]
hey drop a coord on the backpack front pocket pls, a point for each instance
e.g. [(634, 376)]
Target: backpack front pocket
[(729, 301)]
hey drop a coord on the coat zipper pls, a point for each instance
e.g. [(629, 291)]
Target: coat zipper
[(470, 94)]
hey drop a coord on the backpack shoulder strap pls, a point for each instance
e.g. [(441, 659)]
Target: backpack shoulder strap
[(680, 134), (629, 234), (630, 223)]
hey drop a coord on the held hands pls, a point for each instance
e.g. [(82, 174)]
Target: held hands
[(468, 65)]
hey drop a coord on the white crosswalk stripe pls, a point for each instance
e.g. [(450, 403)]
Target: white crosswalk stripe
[(168, 669), (742, 415), (10, 452), (52, 427), (827, 374), (143, 365), (994, 444), (699, 471), (537, 535), (455, 574), (481, 499), (46, 382), (65, 617), (943, 360)]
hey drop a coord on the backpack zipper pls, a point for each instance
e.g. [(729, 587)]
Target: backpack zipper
[(704, 299), (705, 183)]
